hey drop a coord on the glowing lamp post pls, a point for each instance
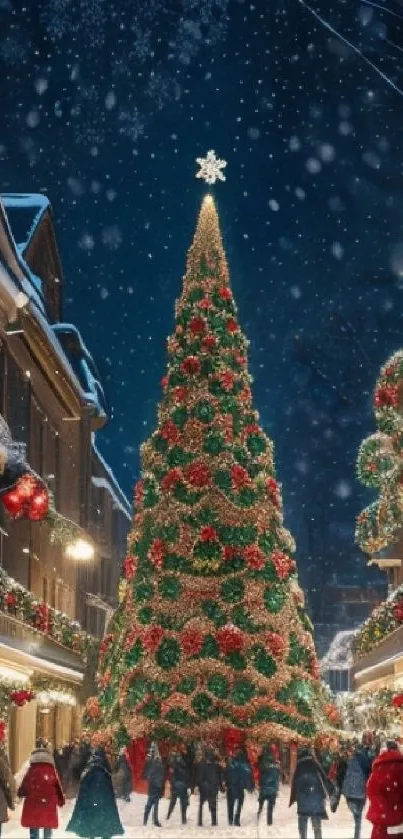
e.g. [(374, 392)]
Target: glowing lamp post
[(82, 550)]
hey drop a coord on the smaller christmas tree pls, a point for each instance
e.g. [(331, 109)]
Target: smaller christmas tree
[(380, 463)]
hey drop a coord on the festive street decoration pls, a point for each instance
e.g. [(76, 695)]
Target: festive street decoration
[(374, 710), (387, 617), (211, 168), (17, 601), (211, 633), (380, 462)]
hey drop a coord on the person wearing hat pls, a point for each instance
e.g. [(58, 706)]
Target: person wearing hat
[(385, 793), (42, 793), (309, 789)]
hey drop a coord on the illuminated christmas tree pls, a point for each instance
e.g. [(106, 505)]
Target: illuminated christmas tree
[(211, 633), (380, 463)]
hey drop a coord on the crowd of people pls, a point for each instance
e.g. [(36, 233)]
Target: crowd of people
[(361, 772)]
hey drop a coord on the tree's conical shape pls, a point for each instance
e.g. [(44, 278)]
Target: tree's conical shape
[(211, 632)]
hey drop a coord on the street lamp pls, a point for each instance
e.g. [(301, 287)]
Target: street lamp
[(82, 550)]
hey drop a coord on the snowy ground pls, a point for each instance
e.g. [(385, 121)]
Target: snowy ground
[(339, 825)]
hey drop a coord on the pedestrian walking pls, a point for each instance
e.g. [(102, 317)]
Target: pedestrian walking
[(385, 793), (309, 789), (209, 780), (180, 782), (123, 777), (155, 775), (95, 812), (354, 784), (238, 779), (7, 788), (42, 793), (269, 782)]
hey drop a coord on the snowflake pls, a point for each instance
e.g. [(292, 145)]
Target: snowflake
[(131, 124), (211, 168)]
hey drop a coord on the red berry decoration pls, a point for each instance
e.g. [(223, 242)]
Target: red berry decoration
[(398, 610), (275, 644), (198, 475), (10, 600), (191, 365), (209, 343), (192, 641), (230, 639), (197, 325), (205, 304), (208, 534), (397, 701), (254, 557), (232, 325), (171, 479), (225, 293), (180, 394), (170, 432), (386, 396), (227, 380), (283, 564), (152, 637), (240, 477), (156, 553)]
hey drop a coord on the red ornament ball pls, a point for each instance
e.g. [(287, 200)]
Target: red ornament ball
[(275, 644), (169, 432), (197, 325), (232, 325), (198, 475), (386, 396), (398, 610), (208, 534), (38, 506), (225, 293), (152, 638), (191, 365), (254, 557), (209, 343), (156, 553), (13, 504), (239, 476), (192, 641), (230, 639), (171, 479)]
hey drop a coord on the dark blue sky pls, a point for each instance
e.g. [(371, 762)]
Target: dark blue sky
[(106, 105)]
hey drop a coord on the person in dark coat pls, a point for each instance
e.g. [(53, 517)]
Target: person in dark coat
[(42, 793), (180, 782), (385, 793), (95, 812), (7, 788), (155, 774), (269, 775), (354, 784), (209, 781), (123, 777), (310, 788), (238, 779)]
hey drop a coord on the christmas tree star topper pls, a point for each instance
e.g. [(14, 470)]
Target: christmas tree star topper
[(211, 168)]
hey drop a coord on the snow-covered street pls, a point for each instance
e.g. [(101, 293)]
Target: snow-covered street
[(339, 825)]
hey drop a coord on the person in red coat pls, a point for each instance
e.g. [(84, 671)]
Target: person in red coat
[(385, 793), (42, 793)]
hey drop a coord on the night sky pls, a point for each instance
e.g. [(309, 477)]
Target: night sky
[(106, 105)]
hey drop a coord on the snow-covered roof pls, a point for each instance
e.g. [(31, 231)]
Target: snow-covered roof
[(82, 363), (110, 484), (339, 655), (25, 211)]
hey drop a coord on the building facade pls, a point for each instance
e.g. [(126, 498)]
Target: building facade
[(52, 399)]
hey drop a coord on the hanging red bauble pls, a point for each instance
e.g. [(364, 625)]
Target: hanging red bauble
[(129, 567), (283, 564), (197, 474), (227, 380), (152, 638), (385, 396), (169, 432), (225, 293), (197, 325), (180, 394), (13, 504), (275, 643), (38, 506), (232, 325), (208, 534), (191, 365), (254, 557), (139, 493), (156, 553), (230, 639), (239, 476), (209, 343), (171, 479), (10, 600), (192, 641), (397, 701), (205, 304)]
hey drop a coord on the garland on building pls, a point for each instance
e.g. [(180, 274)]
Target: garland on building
[(371, 710), (211, 634), (380, 462), (17, 601), (387, 617)]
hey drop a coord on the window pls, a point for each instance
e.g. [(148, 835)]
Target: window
[(18, 402)]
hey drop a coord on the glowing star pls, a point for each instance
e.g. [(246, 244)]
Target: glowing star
[(211, 168)]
